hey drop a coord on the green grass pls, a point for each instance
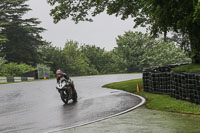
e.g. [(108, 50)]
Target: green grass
[(187, 68), (156, 101), (129, 85)]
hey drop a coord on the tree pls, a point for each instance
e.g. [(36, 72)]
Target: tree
[(51, 56), (141, 51), (95, 55), (3, 39), (2, 62), (21, 36), (70, 59), (163, 53), (131, 46), (160, 15), (112, 63), (103, 61), (75, 63), (182, 40)]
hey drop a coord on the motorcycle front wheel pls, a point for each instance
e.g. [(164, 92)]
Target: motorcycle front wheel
[(74, 98), (64, 96)]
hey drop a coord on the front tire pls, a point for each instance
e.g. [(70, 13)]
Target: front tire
[(64, 96), (74, 96)]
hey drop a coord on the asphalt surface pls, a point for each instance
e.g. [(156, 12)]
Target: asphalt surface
[(36, 106), (143, 120)]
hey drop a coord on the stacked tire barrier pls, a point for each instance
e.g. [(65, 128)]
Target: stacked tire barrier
[(180, 85)]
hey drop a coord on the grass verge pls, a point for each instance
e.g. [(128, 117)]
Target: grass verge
[(156, 101), (187, 68)]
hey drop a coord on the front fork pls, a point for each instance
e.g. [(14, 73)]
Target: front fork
[(72, 85)]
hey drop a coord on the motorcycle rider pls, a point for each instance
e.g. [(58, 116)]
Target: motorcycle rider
[(60, 74)]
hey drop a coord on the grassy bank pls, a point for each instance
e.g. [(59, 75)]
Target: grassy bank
[(155, 101), (187, 68)]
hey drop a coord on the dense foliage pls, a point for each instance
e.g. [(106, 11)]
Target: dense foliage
[(51, 56), (21, 45), (14, 69), (160, 16), (103, 61), (75, 63), (2, 62), (19, 37), (141, 51), (134, 52)]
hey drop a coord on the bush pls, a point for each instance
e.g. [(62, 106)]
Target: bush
[(14, 69), (52, 74)]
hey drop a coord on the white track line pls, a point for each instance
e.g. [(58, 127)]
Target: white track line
[(83, 124)]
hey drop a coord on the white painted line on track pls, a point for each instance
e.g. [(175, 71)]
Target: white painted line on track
[(107, 117)]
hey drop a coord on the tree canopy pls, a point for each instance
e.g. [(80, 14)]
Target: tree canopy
[(103, 61), (19, 37), (141, 51), (134, 52), (160, 15)]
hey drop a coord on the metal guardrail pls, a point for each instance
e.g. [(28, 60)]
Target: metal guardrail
[(15, 79)]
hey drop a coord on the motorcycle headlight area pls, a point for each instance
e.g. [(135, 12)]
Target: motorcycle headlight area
[(65, 83)]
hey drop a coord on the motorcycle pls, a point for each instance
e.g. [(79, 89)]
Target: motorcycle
[(66, 89)]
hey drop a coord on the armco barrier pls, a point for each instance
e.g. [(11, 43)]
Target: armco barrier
[(3, 79), (24, 78), (180, 85), (10, 79), (30, 78), (15, 79)]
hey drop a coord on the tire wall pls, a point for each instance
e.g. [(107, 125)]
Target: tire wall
[(180, 85)]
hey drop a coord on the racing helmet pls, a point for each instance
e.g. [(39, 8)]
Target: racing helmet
[(59, 73)]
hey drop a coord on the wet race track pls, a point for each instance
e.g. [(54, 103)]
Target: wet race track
[(36, 106)]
